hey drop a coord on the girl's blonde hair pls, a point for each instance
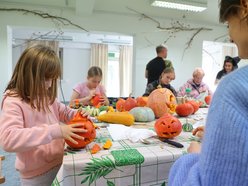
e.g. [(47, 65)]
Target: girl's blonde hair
[(36, 65), (94, 71)]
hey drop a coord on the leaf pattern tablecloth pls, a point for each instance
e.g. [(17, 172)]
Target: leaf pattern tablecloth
[(125, 163)]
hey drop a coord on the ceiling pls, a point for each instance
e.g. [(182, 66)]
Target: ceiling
[(88, 7)]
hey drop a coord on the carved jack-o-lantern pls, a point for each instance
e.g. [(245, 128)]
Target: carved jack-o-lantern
[(89, 136), (162, 101), (168, 126)]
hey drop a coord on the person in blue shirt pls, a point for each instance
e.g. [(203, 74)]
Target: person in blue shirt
[(222, 160)]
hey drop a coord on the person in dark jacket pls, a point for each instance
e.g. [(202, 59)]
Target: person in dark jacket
[(156, 66), (164, 82)]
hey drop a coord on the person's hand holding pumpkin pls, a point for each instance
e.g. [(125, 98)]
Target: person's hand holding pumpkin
[(199, 132), (92, 93), (69, 132)]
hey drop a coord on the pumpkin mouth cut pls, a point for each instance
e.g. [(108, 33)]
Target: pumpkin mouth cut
[(169, 133)]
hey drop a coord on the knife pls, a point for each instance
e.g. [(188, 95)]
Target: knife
[(175, 144)]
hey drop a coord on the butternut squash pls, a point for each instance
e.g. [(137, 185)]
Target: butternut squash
[(117, 117)]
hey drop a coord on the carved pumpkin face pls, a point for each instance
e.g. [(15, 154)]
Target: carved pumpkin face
[(184, 109), (161, 101), (168, 126), (120, 105), (89, 136), (142, 101)]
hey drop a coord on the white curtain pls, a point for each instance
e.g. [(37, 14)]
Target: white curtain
[(126, 64), (53, 44), (99, 57)]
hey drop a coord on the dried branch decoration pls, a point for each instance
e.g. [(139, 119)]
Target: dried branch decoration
[(174, 28), (58, 19)]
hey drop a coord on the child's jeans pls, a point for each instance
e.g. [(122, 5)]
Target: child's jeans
[(45, 179)]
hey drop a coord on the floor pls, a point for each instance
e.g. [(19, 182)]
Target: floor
[(8, 169)]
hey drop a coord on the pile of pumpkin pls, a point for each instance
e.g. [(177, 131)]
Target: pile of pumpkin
[(160, 104)]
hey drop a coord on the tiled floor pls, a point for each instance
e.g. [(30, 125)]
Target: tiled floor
[(8, 169)]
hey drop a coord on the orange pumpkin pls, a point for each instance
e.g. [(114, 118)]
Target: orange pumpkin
[(141, 101), (184, 109), (95, 100), (120, 105), (195, 105), (208, 99), (161, 101), (89, 136), (130, 103), (168, 126)]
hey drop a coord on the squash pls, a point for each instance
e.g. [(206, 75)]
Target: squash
[(161, 101), (89, 136), (111, 109), (96, 148), (107, 144), (130, 103), (168, 126), (184, 109), (141, 101), (120, 105), (117, 117), (142, 114), (187, 127), (195, 105), (208, 99)]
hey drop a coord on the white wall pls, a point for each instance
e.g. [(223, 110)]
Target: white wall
[(128, 25), (75, 67)]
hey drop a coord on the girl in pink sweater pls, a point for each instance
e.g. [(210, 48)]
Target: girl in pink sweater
[(31, 115), (85, 91)]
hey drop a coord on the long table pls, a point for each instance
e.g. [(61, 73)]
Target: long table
[(125, 163)]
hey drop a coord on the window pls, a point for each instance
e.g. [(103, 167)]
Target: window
[(213, 56), (113, 84)]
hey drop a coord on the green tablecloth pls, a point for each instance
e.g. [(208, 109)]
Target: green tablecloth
[(125, 163)]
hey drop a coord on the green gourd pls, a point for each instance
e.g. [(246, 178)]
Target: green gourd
[(187, 127), (142, 114)]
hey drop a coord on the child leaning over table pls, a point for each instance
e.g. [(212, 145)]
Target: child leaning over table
[(83, 92), (164, 81), (31, 116)]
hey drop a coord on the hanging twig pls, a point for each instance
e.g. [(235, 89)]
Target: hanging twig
[(177, 26), (60, 20), (220, 37)]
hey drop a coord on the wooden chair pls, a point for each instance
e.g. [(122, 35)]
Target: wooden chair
[(2, 178)]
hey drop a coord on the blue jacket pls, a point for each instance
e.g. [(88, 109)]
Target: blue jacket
[(224, 156)]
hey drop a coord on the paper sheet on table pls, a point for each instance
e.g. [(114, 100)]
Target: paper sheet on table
[(121, 132)]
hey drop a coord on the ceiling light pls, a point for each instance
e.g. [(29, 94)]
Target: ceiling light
[(181, 5)]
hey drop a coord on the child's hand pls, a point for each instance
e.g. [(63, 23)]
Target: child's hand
[(84, 113), (199, 131), (68, 132), (194, 147), (102, 101), (92, 93)]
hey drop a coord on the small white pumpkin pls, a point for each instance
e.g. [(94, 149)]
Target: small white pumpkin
[(142, 114)]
